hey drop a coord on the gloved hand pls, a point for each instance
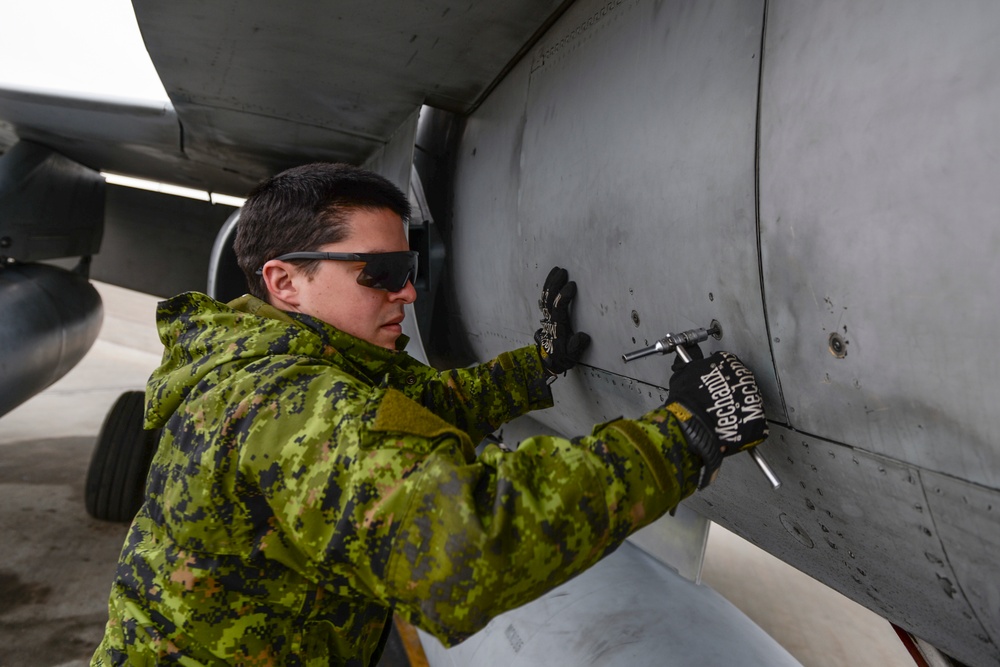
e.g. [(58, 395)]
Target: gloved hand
[(719, 408), (559, 348)]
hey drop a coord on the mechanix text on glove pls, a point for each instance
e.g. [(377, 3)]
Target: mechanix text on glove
[(719, 407), (736, 403)]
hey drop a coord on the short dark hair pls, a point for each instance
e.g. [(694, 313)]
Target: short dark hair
[(304, 208)]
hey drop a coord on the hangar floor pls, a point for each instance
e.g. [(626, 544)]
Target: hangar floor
[(56, 563)]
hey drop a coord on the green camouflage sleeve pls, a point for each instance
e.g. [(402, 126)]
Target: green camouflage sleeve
[(482, 398), (410, 517)]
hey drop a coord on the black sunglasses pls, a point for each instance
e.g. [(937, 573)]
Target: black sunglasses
[(389, 271)]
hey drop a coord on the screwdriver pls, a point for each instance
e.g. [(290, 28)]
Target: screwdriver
[(675, 343)]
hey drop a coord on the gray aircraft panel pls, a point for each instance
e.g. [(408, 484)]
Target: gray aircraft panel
[(81, 118), (355, 70), (135, 138), (532, 171), (879, 203), (124, 136), (217, 137), (599, 178), (487, 182), (394, 159), (966, 519), (385, 53), (874, 529)]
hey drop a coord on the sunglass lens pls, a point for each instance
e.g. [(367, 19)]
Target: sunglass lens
[(389, 271)]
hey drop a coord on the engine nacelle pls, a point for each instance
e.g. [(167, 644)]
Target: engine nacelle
[(51, 317)]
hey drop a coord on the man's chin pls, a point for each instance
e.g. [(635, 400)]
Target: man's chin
[(387, 336)]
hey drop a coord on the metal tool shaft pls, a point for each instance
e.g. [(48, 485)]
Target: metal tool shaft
[(683, 354), (670, 343), (758, 458), (658, 348)]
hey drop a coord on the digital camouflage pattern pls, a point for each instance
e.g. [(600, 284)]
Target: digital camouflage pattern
[(307, 483)]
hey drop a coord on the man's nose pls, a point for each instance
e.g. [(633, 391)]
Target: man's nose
[(407, 295)]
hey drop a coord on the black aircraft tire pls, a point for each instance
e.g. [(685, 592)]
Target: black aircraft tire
[(116, 479)]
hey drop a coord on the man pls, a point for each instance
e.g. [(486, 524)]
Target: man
[(312, 478)]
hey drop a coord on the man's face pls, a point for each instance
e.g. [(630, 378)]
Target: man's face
[(333, 295)]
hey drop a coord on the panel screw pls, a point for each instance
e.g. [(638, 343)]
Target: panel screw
[(838, 346), (635, 317), (715, 330), (6, 242)]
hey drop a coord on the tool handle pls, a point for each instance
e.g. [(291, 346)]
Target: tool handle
[(758, 458)]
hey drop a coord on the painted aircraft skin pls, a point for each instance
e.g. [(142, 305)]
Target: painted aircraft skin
[(817, 177)]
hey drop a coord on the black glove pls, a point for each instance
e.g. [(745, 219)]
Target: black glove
[(559, 348), (693, 351), (719, 408)]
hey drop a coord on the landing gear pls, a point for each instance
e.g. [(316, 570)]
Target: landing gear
[(116, 479)]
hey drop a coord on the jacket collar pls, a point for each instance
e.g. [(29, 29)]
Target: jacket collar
[(370, 360)]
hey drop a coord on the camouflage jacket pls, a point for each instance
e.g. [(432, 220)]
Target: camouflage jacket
[(308, 483)]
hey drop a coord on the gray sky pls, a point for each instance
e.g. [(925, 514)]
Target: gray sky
[(90, 47)]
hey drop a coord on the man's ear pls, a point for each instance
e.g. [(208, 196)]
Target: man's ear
[(281, 280)]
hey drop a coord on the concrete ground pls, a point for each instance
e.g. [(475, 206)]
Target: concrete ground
[(56, 563)]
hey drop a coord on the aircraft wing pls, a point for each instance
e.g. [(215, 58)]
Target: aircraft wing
[(265, 88), (111, 134), (256, 88)]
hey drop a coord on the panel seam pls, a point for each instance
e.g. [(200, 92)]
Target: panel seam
[(957, 583), (760, 238)]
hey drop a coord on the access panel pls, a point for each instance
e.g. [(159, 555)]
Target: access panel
[(880, 150), (622, 147)]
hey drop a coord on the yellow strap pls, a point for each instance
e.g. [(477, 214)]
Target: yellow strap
[(679, 411), (411, 642)]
